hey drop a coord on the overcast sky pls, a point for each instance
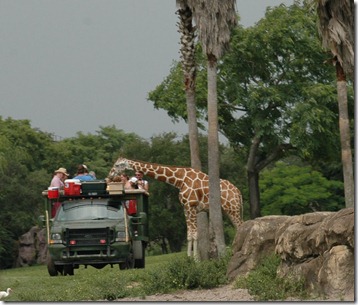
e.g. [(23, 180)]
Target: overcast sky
[(76, 65)]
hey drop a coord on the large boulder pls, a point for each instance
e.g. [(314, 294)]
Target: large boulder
[(32, 247), (254, 239), (318, 247)]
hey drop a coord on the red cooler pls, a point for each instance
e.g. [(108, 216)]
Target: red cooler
[(72, 187), (53, 192)]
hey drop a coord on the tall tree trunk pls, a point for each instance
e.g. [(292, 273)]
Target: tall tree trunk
[(203, 235), (253, 179), (215, 212), (214, 19), (187, 49), (193, 127), (345, 137), (254, 198), (202, 216)]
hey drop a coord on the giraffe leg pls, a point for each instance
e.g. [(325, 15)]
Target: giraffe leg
[(190, 216), (190, 245), (195, 250)]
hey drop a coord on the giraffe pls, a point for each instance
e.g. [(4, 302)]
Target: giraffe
[(193, 188)]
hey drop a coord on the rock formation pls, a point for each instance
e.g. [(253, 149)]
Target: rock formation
[(32, 248), (317, 246)]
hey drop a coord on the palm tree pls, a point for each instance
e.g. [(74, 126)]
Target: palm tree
[(187, 40), (214, 20), (187, 49), (336, 26)]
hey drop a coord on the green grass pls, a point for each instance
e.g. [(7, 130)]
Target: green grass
[(163, 273)]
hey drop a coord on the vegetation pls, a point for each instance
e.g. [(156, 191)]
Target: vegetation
[(292, 190), (164, 273), (265, 285)]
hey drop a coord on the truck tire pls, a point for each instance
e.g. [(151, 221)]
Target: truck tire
[(129, 263), (139, 254), (51, 266), (68, 269), (59, 269)]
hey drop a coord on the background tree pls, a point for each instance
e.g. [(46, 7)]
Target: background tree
[(22, 150), (336, 25), (289, 189)]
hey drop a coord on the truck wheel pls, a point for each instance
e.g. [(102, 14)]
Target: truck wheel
[(139, 255), (59, 269), (128, 264), (51, 266), (68, 269)]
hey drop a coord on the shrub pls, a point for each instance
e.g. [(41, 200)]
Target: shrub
[(264, 284), (186, 273)]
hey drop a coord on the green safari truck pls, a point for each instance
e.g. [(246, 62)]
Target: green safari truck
[(95, 224)]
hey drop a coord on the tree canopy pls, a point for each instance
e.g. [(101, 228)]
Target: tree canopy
[(277, 94)]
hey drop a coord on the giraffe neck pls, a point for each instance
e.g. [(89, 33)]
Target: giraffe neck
[(169, 174)]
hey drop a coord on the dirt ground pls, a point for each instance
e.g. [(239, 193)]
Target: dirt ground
[(221, 294)]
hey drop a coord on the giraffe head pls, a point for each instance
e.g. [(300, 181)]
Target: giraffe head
[(119, 167), (122, 164)]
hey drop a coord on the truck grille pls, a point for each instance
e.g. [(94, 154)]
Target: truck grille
[(89, 237)]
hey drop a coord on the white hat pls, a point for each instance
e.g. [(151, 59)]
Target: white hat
[(133, 180)]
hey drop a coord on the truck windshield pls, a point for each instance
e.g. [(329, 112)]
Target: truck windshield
[(91, 209)]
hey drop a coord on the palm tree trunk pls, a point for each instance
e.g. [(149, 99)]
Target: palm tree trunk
[(187, 49), (214, 19), (215, 212), (345, 136), (202, 216)]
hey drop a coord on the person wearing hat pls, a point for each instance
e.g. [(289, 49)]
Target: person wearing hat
[(133, 182), (59, 177)]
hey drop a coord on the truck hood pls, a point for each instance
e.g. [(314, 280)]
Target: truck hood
[(86, 224)]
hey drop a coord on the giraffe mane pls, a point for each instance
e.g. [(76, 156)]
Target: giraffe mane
[(155, 164)]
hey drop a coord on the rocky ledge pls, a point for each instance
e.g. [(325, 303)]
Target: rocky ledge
[(317, 246)]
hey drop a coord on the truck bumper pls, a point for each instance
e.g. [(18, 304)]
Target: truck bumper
[(113, 254)]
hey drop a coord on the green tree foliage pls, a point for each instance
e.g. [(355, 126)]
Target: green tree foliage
[(22, 151), (98, 151), (292, 190), (277, 95)]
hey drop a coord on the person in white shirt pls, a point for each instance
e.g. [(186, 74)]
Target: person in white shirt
[(142, 184)]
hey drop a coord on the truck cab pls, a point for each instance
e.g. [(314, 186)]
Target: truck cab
[(96, 224)]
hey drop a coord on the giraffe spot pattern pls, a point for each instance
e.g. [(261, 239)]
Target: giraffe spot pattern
[(193, 188)]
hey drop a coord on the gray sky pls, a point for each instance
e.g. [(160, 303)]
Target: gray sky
[(76, 65)]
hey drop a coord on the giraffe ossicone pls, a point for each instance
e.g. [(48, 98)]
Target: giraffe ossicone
[(193, 188)]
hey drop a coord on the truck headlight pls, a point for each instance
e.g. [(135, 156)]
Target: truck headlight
[(121, 236), (56, 238)]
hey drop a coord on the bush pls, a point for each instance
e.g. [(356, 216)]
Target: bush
[(186, 273), (264, 284)]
